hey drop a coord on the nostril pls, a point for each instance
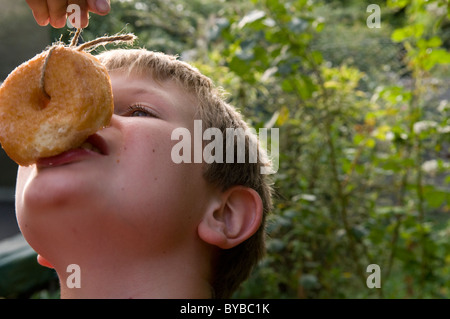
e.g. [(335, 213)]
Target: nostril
[(99, 143)]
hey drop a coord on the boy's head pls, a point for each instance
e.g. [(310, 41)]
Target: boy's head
[(128, 201)]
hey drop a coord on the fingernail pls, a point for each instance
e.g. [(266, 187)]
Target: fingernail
[(44, 22), (102, 5)]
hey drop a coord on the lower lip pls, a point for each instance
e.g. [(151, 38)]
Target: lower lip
[(71, 156)]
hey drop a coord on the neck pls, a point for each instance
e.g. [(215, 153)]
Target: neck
[(130, 279)]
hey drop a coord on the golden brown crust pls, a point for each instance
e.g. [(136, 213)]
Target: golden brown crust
[(81, 102)]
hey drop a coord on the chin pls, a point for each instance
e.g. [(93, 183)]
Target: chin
[(57, 234), (53, 189)]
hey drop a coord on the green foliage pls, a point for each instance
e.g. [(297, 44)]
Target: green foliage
[(364, 132), (362, 163)]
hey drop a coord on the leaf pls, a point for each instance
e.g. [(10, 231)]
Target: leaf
[(397, 4), (253, 16), (435, 197), (297, 25), (275, 245), (370, 143), (331, 84), (434, 42), (317, 57), (391, 210), (283, 116), (239, 66), (305, 87), (447, 179), (380, 132), (308, 197), (287, 86), (415, 31), (359, 231), (395, 94), (309, 281), (399, 35), (436, 56), (358, 138)]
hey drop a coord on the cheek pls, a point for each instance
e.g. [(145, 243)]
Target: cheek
[(159, 187), (156, 197), (147, 163)]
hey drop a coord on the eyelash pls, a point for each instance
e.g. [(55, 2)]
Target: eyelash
[(141, 108)]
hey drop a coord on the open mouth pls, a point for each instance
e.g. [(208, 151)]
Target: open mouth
[(90, 147), (94, 145)]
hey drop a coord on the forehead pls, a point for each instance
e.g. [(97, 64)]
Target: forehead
[(168, 96)]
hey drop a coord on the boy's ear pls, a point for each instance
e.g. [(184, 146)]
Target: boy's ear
[(236, 218)]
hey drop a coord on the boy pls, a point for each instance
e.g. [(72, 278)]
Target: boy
[(135, 223)]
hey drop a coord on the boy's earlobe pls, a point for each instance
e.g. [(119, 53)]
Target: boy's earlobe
[(234, 221)]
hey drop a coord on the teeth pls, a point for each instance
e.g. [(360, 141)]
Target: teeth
[(89, 146)]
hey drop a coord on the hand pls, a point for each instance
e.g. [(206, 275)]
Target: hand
[(54, 11)]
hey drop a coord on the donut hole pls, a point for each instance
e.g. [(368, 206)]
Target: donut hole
[(39, 100)]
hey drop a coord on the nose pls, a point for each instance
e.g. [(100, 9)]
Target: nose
[(115, 124), (116, 121)]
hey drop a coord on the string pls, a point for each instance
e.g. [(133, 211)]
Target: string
[(127, 38), (44, 68), (75, 38)]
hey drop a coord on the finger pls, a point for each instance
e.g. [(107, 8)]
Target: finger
[(100, 7), (80, 14), (40, 11), (58, 14)]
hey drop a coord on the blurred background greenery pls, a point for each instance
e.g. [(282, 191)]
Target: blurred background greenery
[(364, 127)]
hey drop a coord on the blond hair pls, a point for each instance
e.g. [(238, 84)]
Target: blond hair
[(234, 265)]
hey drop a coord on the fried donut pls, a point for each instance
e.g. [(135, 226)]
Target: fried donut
[(40, 119)]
